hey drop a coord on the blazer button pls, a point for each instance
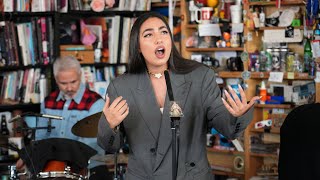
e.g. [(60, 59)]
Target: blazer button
[(153, 150), (192, 164)]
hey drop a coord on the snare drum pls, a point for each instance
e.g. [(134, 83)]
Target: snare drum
[(60, 170)]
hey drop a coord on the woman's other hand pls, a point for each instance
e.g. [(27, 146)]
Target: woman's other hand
[(116, 111), (233, 103), (20, 165)]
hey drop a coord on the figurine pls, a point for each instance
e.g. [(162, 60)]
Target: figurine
[(193, 9)]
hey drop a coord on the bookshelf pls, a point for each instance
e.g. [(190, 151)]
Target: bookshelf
[(253, 161), (21, 17), (18, 106)]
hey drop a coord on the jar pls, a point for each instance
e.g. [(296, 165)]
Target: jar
[(283, 59), (235, 40), (289, 62), (276, 61), (268, 54)]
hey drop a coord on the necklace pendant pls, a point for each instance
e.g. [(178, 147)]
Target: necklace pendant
[(158, 75)]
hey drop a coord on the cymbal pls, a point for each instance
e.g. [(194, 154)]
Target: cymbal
[(87, 127)]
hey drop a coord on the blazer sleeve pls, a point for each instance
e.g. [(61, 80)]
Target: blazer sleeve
[(217, 114), (110, 140)]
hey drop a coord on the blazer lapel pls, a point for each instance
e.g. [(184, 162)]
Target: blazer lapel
[(180, 88), (147, 104)]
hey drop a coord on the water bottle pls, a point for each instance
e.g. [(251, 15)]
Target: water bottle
[(43, 87)]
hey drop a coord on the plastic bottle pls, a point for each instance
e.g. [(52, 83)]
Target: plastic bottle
[(43, 87), (262, 17), (307, 54), (263, 93)]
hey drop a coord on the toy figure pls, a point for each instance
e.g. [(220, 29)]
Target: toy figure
[(193, 9)]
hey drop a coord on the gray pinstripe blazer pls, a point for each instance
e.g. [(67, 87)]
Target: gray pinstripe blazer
[(148, 131)]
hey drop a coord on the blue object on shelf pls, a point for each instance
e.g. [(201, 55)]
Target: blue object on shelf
[(162, 10)]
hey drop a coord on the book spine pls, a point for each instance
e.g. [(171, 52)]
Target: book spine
[(44, 40)]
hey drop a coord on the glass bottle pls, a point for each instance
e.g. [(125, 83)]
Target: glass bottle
[(4, 127), (4, 132), (312, 67), (297, 66), (307, 54)]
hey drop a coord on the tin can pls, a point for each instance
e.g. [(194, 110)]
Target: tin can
[(268, 54), (283, 59)]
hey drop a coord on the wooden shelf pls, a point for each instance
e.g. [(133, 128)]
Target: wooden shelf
[(273, 28), (235, 152), (265, 75), (14, 68), (9, 15), (272, 130), (163, 4), (195, 26), (24, 107), (103, 64), (267, 174), (262, 75), (230, 74), (80, 14), (264, 155), (273, 3), (192, 26), (223, 173), (278, 106), (213, 49)]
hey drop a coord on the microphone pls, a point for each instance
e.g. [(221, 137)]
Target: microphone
[(17, 117), (49, 116)]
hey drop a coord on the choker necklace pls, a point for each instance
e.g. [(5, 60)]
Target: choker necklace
[(156, 75)]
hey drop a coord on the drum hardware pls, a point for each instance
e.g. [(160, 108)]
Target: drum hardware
[(67, 173), (117, 160), (32, 130), (55, 163)]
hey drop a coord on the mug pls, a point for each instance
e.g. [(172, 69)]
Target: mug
[(235, 64), (210, 61), (206, 14)]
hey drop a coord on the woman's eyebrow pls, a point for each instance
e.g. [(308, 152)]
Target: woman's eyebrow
[(148, 29), (151, 29)]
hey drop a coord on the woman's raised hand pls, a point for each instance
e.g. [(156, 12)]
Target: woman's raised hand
[(233, 103), (116, 111)]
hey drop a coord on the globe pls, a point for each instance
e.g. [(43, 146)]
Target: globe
[(212, 3)]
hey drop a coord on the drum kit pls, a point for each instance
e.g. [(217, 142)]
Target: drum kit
[(61, 158)]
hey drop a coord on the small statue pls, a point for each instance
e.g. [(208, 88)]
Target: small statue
[(257, 65), (175, 110), (193, 9)]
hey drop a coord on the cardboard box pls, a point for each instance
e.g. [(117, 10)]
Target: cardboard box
[(84, 56)]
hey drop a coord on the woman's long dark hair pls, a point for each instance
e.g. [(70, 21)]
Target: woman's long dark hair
[(137, 63)]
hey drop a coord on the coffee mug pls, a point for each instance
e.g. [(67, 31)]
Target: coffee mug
[(235, 64), (210, 61), (205, 15)]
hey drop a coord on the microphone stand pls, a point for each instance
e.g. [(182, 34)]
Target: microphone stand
[(175, 115), (175, 124), (115, 173)]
